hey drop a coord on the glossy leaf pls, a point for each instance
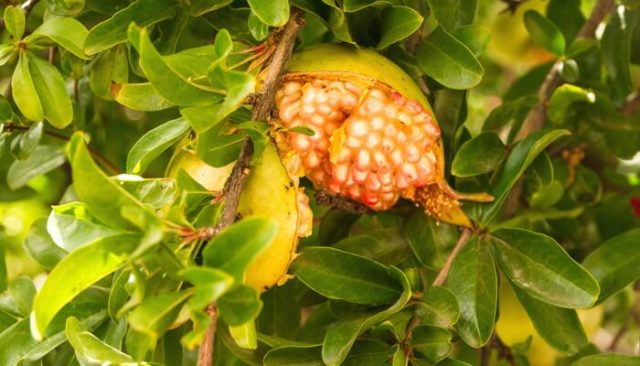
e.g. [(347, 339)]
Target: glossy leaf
[(90, 349), (237, 246), (438, 307), (113, 31), (427, 238), (474, 282), (210, 284), (239, 306), (562, 99), (344, 276), (153, 143), (398, 23), (75, 273), (432, 342), (25, 143), (154, 315), (482, 154), (551, 275), (104, 197), (69, 33), (65, 7), (170, 84), (52, 92), (40, 247), (108, 70), (24, 91), (454, 13), (615, 263), (448, 61), (274, 13), (475, 37), (200, 7), (72, 226), (544, 32), (608, 359), (300, 356), (517, 162), (140, 97), (44, 159), (340, 337), (15, 20), (559, 327)]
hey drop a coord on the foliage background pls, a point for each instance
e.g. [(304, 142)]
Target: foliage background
[(128, 292)]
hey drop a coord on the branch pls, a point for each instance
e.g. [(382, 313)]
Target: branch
[(444, 272), (94, 153), (284, 39), (537, 115), (27, 6)]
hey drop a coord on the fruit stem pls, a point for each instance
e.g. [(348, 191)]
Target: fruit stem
[(284, 40), (444, 272)]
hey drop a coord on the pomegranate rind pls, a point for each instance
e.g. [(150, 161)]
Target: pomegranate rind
[(269, 192), (343, 60)]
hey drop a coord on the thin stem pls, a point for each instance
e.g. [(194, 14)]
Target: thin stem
[(537, 115), (444, 272), (284, 39), (113, 169)]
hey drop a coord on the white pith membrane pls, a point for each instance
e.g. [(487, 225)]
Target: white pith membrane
[(369, 144)]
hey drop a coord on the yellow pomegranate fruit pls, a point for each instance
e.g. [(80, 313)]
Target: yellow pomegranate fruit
[(375, 138), (268, 192)]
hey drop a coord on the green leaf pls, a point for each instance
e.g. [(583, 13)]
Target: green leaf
[(239, 306), (544, 32), (69, 33), (44, 159), (104, 197), (24, 91), (25, 143), (474, 282), (113, 31), (4, 280), (40, 247), (340, 337), (517, 162), (482, 154), (17, 344), (344, 276), (438, 307), (475, 37), (615, 48), (90, 350), (153, 143), (428, 237), (452, 14), (448, 61), (432, 342), (75, 273), (175, 87), (562, 99), (109, 70), (200, 7), (210, 284), (237, 246), (608, 359), (274, 13), (17, 298), (299, 356), (52, 92), (139, 97), (615, 263), (15, 21), (154, 315), (551, 275), (71, 226), (398, 23), (65, 7), (157, 193), (559, 327)]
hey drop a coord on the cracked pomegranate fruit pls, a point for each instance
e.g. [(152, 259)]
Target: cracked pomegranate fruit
[(374, 137)]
